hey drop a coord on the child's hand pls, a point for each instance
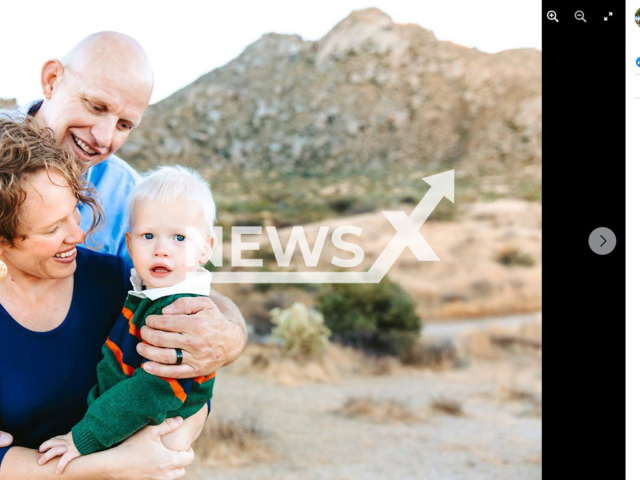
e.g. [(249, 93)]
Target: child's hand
[(62, 445)]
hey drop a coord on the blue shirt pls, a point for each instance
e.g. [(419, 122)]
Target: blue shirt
[(45, 377), (114, 179)]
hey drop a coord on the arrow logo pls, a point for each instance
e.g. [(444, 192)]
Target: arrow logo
[(407, 235)]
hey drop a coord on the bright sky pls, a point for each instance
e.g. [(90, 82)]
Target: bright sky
[(185, 39)]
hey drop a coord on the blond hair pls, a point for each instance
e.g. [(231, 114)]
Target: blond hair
[(167, 184)]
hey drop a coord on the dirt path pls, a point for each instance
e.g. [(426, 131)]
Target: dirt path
[(502, 324), (497, 437)]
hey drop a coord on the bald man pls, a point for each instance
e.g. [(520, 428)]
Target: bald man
[(93, 98)]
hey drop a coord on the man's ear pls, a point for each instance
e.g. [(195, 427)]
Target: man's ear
[(208, 249), (52, 72)]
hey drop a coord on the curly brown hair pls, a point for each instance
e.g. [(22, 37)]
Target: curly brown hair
[(26, 148)]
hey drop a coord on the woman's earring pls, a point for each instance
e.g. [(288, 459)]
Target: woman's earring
[(3, 270)]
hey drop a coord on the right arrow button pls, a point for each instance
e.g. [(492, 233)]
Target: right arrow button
[(602, 241)]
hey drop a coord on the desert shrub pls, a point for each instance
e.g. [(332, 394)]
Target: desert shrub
[(302, 330), (341, 204), (378, 411), (447, 406), (377, 317), (262, 287), (260, 321), (229, 442), (511, 256), (432, 354)]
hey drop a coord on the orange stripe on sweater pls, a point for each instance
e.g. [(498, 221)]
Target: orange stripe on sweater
[(118, 353), (204, 379), (177, 388), (133, 330)]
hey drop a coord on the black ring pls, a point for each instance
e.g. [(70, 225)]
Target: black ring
[(178, 355)]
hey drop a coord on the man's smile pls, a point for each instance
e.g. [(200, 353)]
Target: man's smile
[(85, 149)]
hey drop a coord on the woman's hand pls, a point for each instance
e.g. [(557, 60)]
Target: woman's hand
[(140, 457), (182, 438), (143, 457), (5, 439)]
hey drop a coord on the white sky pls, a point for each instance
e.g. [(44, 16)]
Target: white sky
[(185, 39)]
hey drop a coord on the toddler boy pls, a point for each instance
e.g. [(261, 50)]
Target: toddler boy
[(171, 234)]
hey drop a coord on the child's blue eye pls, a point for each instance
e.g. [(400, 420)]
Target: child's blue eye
[(148, 236), (180, 238)]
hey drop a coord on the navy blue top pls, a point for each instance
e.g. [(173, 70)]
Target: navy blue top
[(45, 377)]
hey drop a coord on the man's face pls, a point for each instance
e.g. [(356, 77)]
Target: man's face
[(92, 113)]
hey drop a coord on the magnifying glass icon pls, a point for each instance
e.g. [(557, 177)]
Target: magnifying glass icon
[(580, 16), (551, 15)]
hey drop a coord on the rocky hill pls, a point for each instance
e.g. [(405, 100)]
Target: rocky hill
[(8, 104), (371, 98)]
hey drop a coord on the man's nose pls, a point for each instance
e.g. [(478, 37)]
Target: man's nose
[(103, 131)]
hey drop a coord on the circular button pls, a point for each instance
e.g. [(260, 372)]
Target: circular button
[(602, 241)]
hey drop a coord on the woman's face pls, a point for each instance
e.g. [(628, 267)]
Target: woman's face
[(49, 220)]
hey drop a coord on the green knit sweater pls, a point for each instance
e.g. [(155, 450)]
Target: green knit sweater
[(126, 397)]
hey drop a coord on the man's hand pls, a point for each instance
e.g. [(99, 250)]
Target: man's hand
[(209, 334), (61, 445)]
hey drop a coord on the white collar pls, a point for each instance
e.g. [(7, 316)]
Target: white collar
[(199, 284)]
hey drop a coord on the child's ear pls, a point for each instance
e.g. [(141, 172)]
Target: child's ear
[(210, 242), (127, 238)]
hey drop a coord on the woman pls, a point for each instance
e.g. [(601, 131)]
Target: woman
[(57, 305)]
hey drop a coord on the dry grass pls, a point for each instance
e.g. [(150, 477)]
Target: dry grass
[(519, 395), (378, 411), (272, 364), (496, 305), (532, 410), (384, 365), (496, 342), (516, 386), (230, 443), (436, 355), (448, 406), (531, 402)]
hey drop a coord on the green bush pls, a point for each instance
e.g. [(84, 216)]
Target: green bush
[(302, 330), (510, 256), (377, 317)]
